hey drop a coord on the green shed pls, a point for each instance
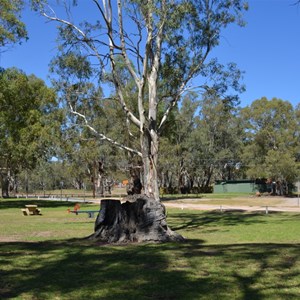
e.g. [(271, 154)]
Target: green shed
[(235, 186)]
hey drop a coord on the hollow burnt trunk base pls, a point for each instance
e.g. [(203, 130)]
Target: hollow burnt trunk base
[(140, 219)]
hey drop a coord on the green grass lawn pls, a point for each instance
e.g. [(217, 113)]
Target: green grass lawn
[(231, 255)]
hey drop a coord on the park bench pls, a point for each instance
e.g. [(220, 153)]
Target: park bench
[(77, 211), (90, 213), (31, 210)]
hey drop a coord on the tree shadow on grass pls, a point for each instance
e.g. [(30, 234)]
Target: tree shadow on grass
[(290, 216), (78, 269)]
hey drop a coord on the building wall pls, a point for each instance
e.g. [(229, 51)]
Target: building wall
[(246, 186)]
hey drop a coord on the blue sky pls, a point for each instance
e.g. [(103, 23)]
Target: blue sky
[(267, 49)]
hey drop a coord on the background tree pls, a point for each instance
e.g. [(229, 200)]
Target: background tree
[(88, 155), (29, 123), (12, 29), (174, 163), (272, 140), (297, 114), (215, 143)]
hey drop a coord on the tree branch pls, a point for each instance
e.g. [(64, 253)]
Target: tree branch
[(182, 88), (101, 135), (86, 40)]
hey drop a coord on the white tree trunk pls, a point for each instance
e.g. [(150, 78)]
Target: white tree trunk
[(150, 157)]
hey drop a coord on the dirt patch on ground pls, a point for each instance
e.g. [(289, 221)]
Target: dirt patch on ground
[(250, 203), (245, 203), (10, 239)]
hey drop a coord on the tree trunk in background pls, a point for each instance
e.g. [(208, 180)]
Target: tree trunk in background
[(5, 186), (100, 178)]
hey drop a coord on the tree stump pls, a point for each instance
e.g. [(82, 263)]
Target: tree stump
[(140, 219)]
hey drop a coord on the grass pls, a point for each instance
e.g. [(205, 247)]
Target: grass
[(232, 255)]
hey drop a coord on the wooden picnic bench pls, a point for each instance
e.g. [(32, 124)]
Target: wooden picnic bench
[(31, 210)]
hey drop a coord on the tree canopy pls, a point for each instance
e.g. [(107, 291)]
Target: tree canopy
[(271, 142), (12, 29), (29, 122)]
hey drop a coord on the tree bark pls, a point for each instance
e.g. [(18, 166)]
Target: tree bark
[(140, 219), (149, 145)]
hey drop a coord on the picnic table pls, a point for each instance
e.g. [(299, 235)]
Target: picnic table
[(31, 210)]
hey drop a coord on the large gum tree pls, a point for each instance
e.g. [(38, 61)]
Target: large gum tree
[(165, 47)]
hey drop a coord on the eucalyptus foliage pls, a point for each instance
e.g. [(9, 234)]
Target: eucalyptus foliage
[(29, 122), (12, 29), (271, 145)]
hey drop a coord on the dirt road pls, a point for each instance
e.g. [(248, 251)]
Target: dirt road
[(266, 204)]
